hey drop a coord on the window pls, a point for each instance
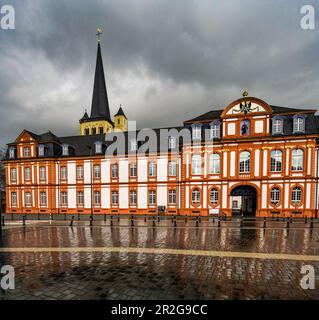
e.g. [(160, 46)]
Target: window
[(276, 161), (28, 199), (64, 198), (277, 126), (172, 168), (13, 198), (213, 196), (97, 198), (133, 198), (114, 170), (27, 174), (13, 174), (41, 150), (133, 145), (172, 197), (87, 131), (171, 143), (65, 150), (195, 196), (97, 171), (299, 124), (115, 198), (98, 147), (297, 160), (215, 130), (100, 129), (197, 131), (26, 152), (196, 164), (133, 170), (245, 128), (244, 162), (11, 153), (42, 173), (214, 163), (152, 197), (63, 173), (79, 172), (93, 130), (80, 198), (152, 169), (296, 196), (43, 198), (275, 196)]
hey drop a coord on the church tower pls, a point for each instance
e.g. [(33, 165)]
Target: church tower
[(99, 120)]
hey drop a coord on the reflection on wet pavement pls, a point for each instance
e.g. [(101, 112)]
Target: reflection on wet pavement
[(105, 275)]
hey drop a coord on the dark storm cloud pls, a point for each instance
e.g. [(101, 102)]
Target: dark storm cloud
[(165, 61)]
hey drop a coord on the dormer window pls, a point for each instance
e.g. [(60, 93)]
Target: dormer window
[(215, 130), (197, 132), (171, 143), (12, 152), (41, 150), (299, 124), (133, 145), (98, 147), (277, 126), (65, 150)]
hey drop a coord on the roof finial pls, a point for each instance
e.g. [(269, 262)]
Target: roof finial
[(98, 34), (245, 94)]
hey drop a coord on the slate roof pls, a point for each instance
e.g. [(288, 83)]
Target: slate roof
[(120, 112)]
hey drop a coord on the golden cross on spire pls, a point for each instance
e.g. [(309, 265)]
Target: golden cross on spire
[(98, 34)]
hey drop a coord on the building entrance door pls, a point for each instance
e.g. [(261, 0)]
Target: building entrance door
[(243, 201)]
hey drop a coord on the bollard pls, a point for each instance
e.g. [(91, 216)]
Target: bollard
[(132, 221), (306, 220), (278, 218), (197, 222), (175, 224), (199, 219), (158, 218), (23, 220), (111, 223), (104, 217), (91, 221), (264, 224), (79, 216), (287, 224), (185, 219), (145, 218), (71, 222), (3, 222), (118, 218), (290, 220), (172, 219), (153, 218), (311, 223), (218, 224)]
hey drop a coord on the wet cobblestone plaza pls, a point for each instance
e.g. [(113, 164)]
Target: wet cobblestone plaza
[(141, 261)]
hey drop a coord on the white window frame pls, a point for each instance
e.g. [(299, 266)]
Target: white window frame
[(64, 198), (277, 126), (41, 150), (172, 168), (215, 130), (13, 174), (27, 174), (65, 150), (196, 196), (115, 198), (296, 195), (171, 142), (79, 172), (152, 169), (43, 198), (28, 199), (244, 162), (276, 161), (97, 198), (133, 145), (299, 124), (172, 197), (297, 159), (197, 132), (275, 194), (26, 152), (63, 173), (213, 196), (11, 153), (152, 197), (80, 198), (133, 197), (133, 170), (97, 171), (98, 147), (42, 173), (214, 163), (14, 198), (196, 164), (115, 171)]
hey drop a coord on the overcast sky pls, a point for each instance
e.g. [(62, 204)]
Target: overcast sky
[(165, 61)]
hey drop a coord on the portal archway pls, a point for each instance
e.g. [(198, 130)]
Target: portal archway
[(243, 201)]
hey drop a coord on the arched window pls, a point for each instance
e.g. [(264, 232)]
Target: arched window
[(244, 162), (275, 196), (196, 164), (277, 126), (296, 196), (214, 163), (245, 128), (196, 197), (297, 160), (215, 130), (276, 161), (299, 124), (213, 196)]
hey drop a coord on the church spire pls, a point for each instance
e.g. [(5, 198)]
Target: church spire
[(100, 104)]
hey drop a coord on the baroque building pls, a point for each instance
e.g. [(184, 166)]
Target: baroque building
[(249, 158)]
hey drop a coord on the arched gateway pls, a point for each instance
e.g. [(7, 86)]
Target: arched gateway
[(243, 201)]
